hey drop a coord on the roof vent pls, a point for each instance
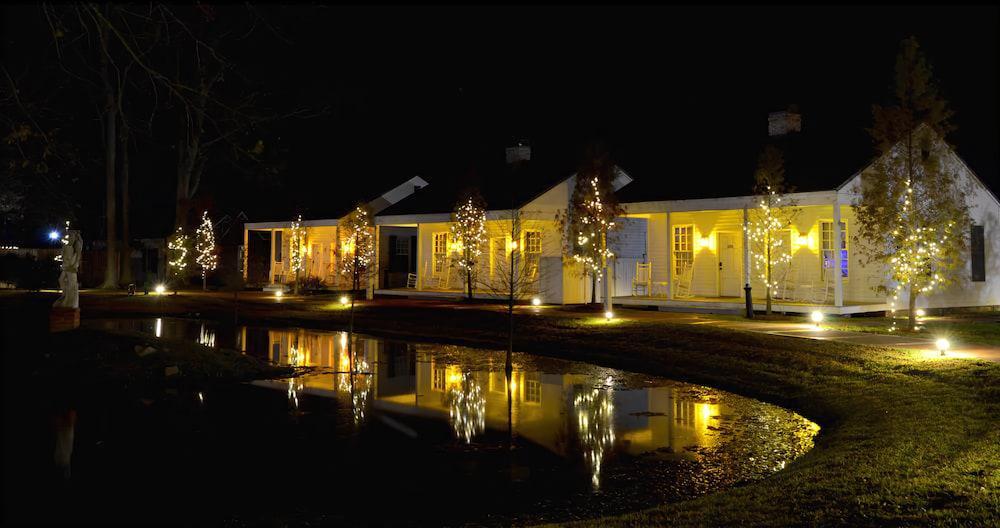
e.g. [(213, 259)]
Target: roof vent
[(784, 122)]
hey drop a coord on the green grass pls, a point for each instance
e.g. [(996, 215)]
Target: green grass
[(981, 329), (906, 439)]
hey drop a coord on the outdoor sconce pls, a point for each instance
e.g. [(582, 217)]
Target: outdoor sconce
[(705, 242)]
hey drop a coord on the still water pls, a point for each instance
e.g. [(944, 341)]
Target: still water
[(382, 431)]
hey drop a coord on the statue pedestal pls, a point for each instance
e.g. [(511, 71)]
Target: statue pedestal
[(62, 319)]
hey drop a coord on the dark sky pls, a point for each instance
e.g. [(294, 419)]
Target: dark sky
[(674, 90)]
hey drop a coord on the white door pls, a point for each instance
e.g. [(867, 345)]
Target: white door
[(730, 280)]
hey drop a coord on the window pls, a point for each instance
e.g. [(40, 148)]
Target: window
[(683, 248), (829, 256), (977, 244), (403, 246), (438, 381), (440, 251), (532, 241), (277, 246), (532, 391)]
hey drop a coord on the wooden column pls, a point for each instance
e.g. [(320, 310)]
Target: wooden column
[(838, 281), (670, 258), (746, 247), (270, 261)]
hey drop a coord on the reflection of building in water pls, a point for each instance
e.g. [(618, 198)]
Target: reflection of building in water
[(206, 336), (426, 381)]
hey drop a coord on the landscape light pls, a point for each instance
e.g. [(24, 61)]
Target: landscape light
[(921, 312), (817, 317), (160, 289), (344, 299), (535, 301), (942, 344), (278, 294), (608, 315), (53, 235)]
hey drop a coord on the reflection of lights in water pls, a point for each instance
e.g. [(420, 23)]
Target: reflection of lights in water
[(467, 408), (595, 426), (206, 336), (343, 340), (294, 384), (201, 397), (159, 326), (359, 397)]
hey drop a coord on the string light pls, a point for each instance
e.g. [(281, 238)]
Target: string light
[(360, 254), (295, 244), (469, 231), (178, 245), (205, 246)]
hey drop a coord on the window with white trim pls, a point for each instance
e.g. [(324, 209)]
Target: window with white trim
[(683, 248), (532, 391), (828, 253), (532, 241), (438, 379), (440, 251)]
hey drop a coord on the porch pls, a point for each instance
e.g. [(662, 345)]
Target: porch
[(737, 305)]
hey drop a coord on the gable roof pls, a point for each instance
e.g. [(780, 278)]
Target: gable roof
[(502, 186)]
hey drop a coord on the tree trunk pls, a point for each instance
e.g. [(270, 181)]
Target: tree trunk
[(768, 285), (468, 282), (110, 152), (204, 280), (509, 365), (912, 318), (593, 287), (126, 249)]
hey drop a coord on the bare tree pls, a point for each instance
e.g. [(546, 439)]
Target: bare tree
[(514, 272), (358, 261)]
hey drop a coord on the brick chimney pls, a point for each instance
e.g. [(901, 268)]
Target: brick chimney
[(784, 122)]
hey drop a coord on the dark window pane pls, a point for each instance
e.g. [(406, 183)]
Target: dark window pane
[(978, 258)]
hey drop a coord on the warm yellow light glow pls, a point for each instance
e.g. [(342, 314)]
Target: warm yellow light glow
[(921, 312), (160, 289), (535, 301), (817, 317), (159, 327), (278, 294), (942, 344), (705, 242), (344, 299), (803, 240), (609, 315), (513, 384)]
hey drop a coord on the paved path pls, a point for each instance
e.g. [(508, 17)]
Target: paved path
[(809, 331)]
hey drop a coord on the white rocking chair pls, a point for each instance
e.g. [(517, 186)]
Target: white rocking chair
[(411, 280), (682, 284), (642, 279)]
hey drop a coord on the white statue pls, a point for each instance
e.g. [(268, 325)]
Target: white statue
[(72, 250)]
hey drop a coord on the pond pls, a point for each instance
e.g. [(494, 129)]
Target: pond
[(382, 431)]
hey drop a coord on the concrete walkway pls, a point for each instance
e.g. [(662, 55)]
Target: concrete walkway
[(810, 331)]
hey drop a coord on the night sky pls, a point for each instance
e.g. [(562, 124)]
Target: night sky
[(436, 91)]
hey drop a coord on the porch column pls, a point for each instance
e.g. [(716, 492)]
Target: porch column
[(838, 281), (420, 258), (670, 258), (270, 260), (246, 247), (746, 247)]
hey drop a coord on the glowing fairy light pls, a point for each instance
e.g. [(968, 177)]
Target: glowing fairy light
[(205, 249)]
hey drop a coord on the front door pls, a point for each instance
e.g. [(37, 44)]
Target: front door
[(730, 281)]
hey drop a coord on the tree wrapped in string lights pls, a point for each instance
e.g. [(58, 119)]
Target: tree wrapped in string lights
[(358, 251), (590, 218), (295, 245), (913, 206), (469, 232), (179, 256), (206, 254), (774, 213)]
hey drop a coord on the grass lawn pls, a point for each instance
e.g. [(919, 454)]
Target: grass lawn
[(907, 438), (982, 329)]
